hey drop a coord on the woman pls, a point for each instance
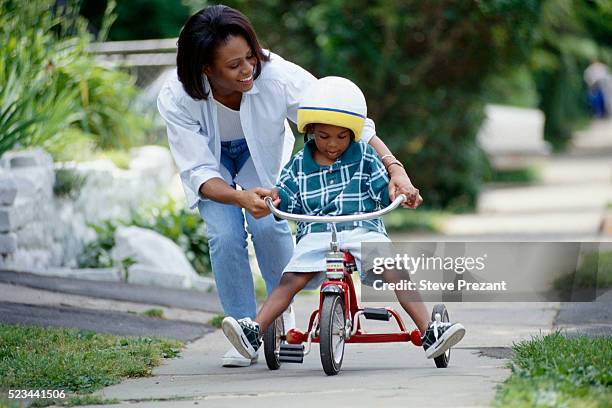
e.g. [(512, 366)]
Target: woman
[(226, 114)]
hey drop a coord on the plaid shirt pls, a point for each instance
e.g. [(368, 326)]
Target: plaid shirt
[(356, 183)]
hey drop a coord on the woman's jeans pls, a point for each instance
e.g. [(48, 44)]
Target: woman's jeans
[(227, 235)]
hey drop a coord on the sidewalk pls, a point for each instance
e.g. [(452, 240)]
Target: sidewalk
[(391, 374)]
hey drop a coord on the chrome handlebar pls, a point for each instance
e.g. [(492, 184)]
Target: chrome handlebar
[(338, 218)]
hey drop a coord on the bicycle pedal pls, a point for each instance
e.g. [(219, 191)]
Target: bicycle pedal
[(376, 313), (291, 353)]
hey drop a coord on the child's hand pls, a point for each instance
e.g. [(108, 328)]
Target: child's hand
[(275, 197), (401, 184)]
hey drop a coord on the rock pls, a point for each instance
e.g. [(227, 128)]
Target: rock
[(20, 213), (8, 189), (8, 243), (32, 171), (153, 161), (159, 261)]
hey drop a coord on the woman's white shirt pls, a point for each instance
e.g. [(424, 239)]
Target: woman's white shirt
[(194, 132)]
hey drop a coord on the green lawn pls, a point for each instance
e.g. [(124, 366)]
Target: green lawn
[(76, 361), (557, 371)]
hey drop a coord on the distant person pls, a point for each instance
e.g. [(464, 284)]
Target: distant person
[(598, 79), (226, 110)]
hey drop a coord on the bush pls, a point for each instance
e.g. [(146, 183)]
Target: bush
[(422, 67), (51, 84)]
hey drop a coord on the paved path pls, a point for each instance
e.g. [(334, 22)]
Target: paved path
[(372, 374)]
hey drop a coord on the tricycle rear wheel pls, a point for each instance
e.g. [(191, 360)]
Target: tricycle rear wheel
[(273, 338)]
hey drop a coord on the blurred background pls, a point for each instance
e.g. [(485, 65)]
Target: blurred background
[(500, 111)]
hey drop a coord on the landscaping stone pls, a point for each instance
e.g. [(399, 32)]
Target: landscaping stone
[(159, 261), (8, 243), (17, 215), (8, 189)]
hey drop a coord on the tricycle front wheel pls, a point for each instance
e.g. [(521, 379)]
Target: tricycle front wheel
[(332, 333)]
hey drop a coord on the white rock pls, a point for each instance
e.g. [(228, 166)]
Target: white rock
[(8, 189), (159, 261), (153, 161), (32, 171), (8, 243)]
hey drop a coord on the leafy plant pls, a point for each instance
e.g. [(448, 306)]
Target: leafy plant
[(50, 82), (171, 220), (68, 182)]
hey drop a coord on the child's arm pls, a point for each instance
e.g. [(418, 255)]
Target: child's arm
[(289, 190), (379, 179)]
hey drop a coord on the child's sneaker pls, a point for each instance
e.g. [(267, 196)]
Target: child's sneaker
[(440, 336), (243, 334)]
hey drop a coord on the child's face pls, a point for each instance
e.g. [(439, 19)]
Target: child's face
[(331, 140)]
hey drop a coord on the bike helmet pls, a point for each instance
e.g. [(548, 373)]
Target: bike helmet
[(333, 101)]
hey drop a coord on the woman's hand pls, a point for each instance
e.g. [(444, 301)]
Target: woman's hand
[(400, 184), (252, 200)]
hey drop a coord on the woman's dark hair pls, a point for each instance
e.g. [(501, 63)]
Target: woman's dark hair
[(202, 34)]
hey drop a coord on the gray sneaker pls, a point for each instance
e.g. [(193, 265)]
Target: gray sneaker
[(440, 336), (243, 334)]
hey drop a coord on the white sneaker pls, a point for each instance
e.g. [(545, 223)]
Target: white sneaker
[(234, 359), (289, 318)]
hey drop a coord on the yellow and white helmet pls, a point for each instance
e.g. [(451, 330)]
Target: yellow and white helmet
[(333, 101)]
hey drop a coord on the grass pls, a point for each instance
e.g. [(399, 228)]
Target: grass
[(216, 321), (421, 220), (557, 371), (523, 175), (595, 271), (77, 361), (157, 313)]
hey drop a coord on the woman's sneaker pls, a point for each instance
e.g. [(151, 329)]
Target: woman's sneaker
[(440, 336), (243, 334)]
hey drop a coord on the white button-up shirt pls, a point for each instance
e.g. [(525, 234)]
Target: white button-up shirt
[(193, 131)]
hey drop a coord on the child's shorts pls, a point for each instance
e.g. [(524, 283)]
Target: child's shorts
[(310, 251)]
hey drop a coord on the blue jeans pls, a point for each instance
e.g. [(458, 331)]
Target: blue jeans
[(225, 224)]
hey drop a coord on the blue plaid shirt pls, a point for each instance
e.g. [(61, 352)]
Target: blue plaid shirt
[(356, 183)]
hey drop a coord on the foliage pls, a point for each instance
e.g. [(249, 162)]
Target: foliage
[(139, 19), (77, 361), (182, 226), (68, 182), (155, 312), (171, 220), (97, 253), (216, 320), (422, 66), (420, 220), (527, 175), (564, 48), (594, 272), (555, 370), (51, 84)]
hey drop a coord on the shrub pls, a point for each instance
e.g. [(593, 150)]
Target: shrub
[(50, 83), (422, 67)]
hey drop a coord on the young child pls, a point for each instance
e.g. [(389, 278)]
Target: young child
[(335, 174)]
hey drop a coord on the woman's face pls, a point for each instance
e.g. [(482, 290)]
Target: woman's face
[(232, 67), (331, 140)]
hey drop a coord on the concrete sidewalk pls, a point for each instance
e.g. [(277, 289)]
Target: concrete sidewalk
[(392, 374)]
